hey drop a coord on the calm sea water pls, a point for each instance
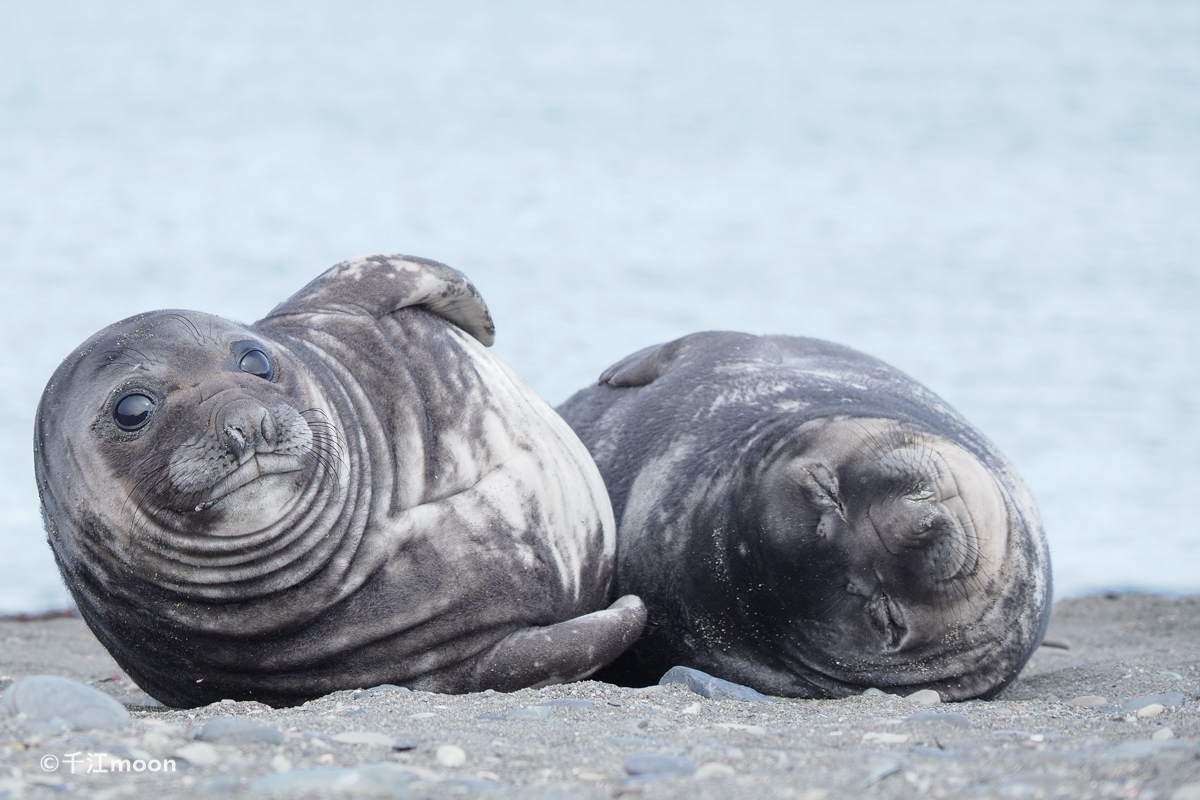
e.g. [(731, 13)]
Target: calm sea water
[(1002, 199)]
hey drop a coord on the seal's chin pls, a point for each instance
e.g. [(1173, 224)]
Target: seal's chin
[(258, 466)]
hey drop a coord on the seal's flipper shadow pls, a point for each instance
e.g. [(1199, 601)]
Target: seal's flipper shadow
[(564, 652)]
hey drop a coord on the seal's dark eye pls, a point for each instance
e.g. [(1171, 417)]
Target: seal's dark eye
[(256, 363), (133, 412)]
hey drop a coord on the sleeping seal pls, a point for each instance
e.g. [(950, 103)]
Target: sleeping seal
[(806, 520), (349, 492)]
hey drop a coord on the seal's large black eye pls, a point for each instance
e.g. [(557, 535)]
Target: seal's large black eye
[(256, 363), (133, 412)]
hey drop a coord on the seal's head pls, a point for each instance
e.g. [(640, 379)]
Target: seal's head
[(170, 428), (878, 551)]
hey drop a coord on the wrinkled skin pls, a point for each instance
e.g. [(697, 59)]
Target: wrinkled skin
[(806, 520), (351, 491)]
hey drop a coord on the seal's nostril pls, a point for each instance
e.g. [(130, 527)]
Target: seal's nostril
[(245, 427), (268, 428)]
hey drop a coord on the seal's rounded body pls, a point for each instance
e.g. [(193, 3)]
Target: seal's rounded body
[(804, 519), (349, 492)]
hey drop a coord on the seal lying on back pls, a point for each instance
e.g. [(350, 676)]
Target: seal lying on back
[(349, 492), (806, 520)]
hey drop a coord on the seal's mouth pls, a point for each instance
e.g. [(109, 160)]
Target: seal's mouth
[(251, 442), (257, 466)]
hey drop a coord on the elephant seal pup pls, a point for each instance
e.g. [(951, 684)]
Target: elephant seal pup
[(806, 520), (351, 491)]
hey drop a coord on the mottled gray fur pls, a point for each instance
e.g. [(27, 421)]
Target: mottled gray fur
[(390, 504), (807, 520)]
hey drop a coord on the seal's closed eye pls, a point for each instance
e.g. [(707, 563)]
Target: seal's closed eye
[(133, 412), (256, 363)]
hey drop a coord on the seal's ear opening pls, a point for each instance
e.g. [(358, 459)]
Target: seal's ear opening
[(384, 284)]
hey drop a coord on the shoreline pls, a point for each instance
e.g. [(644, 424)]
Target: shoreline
[(1039, 738)]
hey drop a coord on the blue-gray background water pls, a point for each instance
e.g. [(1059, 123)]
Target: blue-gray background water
[(1002, 199)]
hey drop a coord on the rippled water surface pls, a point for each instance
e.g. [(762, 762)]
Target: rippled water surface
[(1002, 199)]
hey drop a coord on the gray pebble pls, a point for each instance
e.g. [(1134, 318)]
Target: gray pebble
[(655, 764), (369, 780), (488, 716), (950, 718), (1140, 748), (536, 712), (383, 688), (711, 687), (41, 698), (1167, 700), (473, 785), (568, 703), (228, 730), (881, 767), (218, 787), (925, 697)]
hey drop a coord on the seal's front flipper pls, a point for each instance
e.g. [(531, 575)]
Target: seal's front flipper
[(568, 651), (380, 285)]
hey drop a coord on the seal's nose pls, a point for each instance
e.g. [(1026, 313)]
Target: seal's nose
[(246, 428)]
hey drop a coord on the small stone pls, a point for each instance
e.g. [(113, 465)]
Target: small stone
[(714, 770), (281, 763), (880, 768), (1163, 733), (950, 718), (229, 730), (451, 755), (885, 738), (752, 730), (568, 702), (925, 697), (1140, 748), (655, 764), (223, 786), (202, 754), (1189, 791), (1152, 710), (536, 712), (383, 688), (422, 715), (1166, 700), (873, 692), (371, 780), (1088, 701), (694, 708), (41, 698), (711, 687), (363, 737)]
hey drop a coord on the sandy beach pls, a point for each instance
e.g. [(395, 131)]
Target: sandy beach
[(1114, 713)]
